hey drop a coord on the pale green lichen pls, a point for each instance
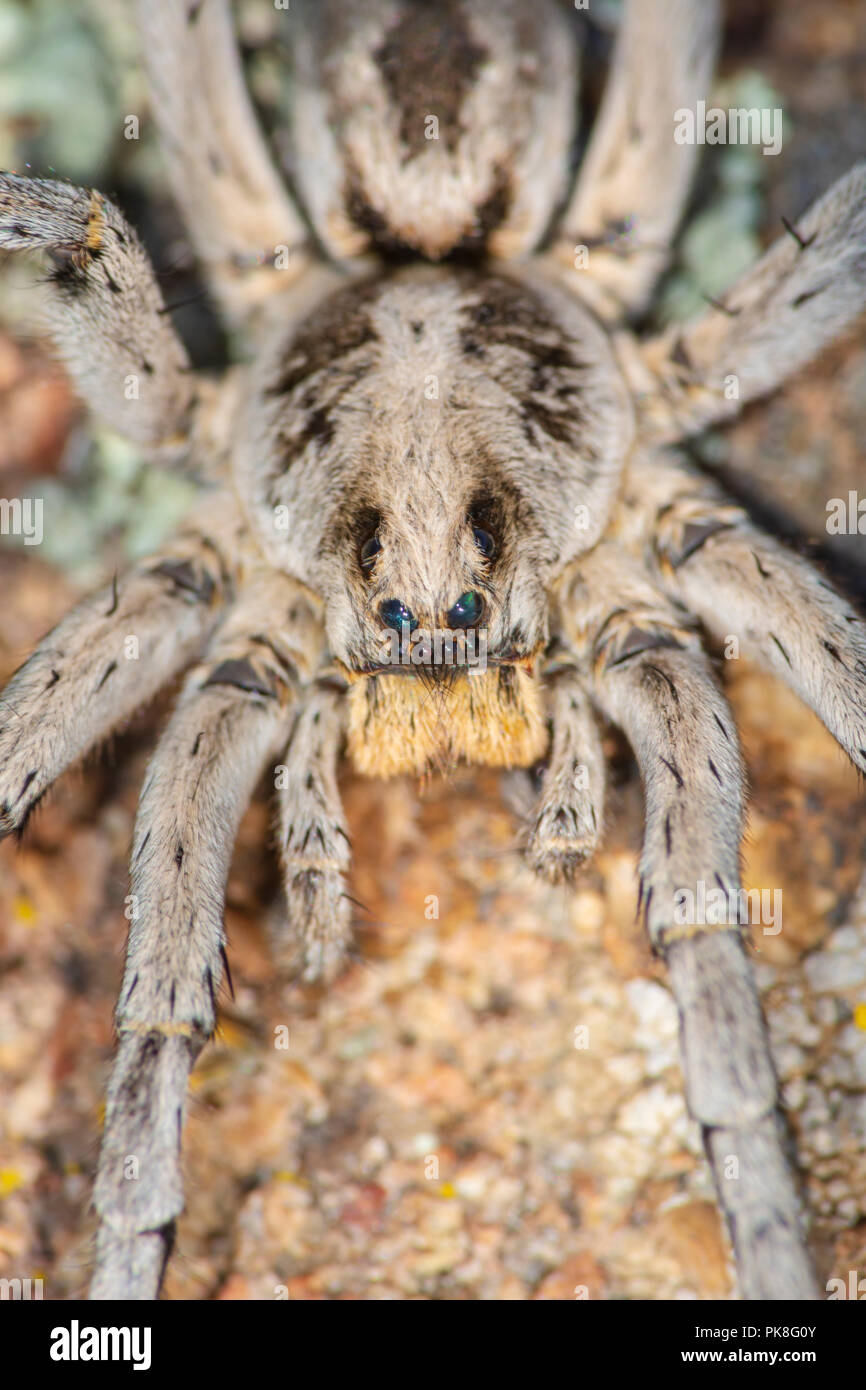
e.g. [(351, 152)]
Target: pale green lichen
[(115, 505), (58, 90), (722, 238), (70, 77)]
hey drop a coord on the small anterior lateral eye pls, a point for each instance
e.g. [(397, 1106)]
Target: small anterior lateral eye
[(485, 542), (369, 550), (467, 610)]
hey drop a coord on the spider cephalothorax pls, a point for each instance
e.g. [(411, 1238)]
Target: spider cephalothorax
[(443, 515), (468, 431)]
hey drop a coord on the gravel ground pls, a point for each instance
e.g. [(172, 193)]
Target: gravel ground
[(431, 1129)]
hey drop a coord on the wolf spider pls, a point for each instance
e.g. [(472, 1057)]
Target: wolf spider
[(444, 422)]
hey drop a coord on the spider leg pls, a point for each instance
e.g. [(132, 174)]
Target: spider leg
[(104, 310), (799, 296), (567, 818), (313, 837), (634, 180), (244, 226), (741, 583), (234, 714), (652, 679), (109, 656)]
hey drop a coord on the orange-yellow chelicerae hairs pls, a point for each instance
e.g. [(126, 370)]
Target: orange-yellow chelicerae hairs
[(400, 724)]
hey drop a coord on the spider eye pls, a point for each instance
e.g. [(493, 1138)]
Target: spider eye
[(467, 610), (485, 542), (394, 613), (369, 550)]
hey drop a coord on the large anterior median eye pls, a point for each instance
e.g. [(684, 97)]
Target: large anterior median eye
[(369, 550), (485, 542), (467, 610), (395, 614)]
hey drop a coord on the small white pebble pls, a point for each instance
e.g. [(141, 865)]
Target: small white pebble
[(374, 1153), (824, 1142), (827, 1011), (836, 971), (421, 1144), (472, 1186), (845, 939), (788, 1059), (654, 1010), (651, 1112), (794, 1093)]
